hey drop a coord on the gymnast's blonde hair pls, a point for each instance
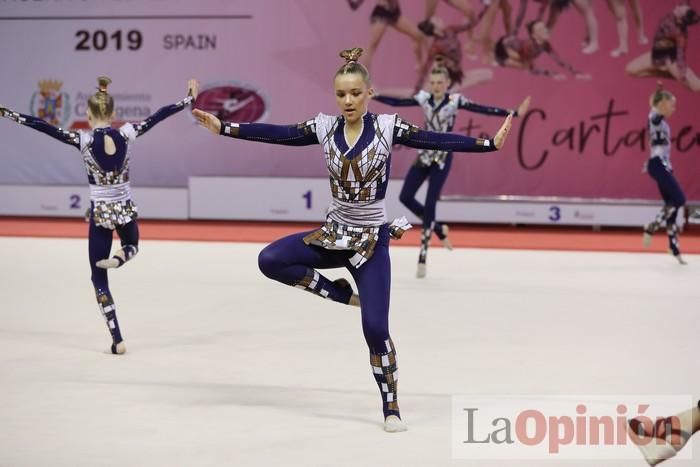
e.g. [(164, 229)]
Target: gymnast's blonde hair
[(101, 104), (352, 65)]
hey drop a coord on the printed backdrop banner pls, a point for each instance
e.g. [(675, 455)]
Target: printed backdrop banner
[(274, 61)]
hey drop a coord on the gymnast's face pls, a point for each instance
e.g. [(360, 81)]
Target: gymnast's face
[(680, 11), (666, 107), (438, 26), (540, 32), (438, 85), (352, 94), (686, 15)]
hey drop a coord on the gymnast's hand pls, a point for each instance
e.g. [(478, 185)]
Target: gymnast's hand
[(502, 134), (193, 88), (3, 111), (207, 120), (524, 105)]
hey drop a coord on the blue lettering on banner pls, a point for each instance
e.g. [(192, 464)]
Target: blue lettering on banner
[(75, 201), (554, 213), (307, 197)]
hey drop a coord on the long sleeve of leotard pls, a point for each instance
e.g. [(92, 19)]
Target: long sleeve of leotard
[(65, 136), (471, 106), (396, 101), (413, 137), (289, 135), (161, 114)]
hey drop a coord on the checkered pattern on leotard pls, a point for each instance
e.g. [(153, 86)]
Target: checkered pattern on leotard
[(439, 117), (660, 138), (358, 182), (364, 176)]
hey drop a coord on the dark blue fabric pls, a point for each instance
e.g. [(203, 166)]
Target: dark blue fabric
[(468, 105), (397, 101), (485, 109), (287, 260), (445, 100), (450, 142), (287, 135), (364, 140), (160, 115), (64, 136), (108, 162), (656, 119), (436, 177), (669, 188), (100, 246)]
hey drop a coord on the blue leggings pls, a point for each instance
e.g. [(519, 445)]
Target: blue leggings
[(669, 188), (290, 261), (100, 246), (436, 176), (673, 197)]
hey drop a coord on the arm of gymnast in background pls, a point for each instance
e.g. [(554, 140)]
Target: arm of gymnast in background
[(413, 137), (466, 104), (161, 114), (65, 136), (395, 100)]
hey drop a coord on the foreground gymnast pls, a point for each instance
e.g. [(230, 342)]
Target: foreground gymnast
[(357, 149)]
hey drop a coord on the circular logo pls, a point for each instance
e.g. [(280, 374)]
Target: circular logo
[(232, 102)]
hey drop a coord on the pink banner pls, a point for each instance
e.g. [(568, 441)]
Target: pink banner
[(274, 61), (581, 138)]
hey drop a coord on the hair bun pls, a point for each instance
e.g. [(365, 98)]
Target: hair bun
[(351, 55), (102, 83)]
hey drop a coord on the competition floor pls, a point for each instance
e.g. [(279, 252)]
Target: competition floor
[(225, 367)]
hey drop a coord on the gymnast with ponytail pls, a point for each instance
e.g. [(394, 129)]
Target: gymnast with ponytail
[(658, 166), (105, 153), (357, 149), (440, 107)]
